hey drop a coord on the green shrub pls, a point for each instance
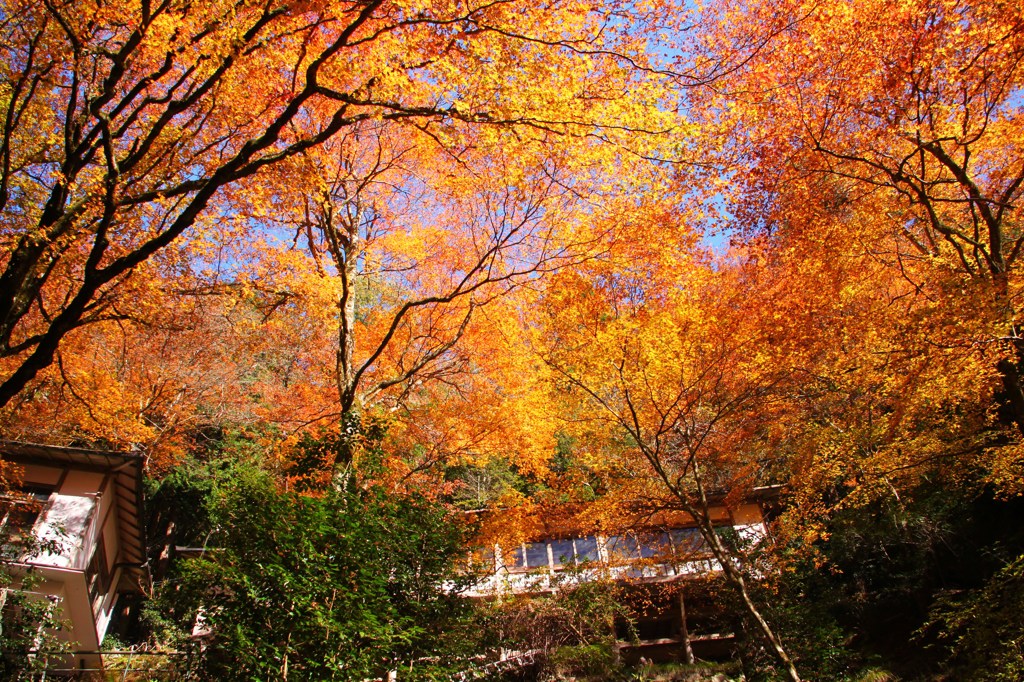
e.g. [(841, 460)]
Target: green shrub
[(583, 660), (983, 629)]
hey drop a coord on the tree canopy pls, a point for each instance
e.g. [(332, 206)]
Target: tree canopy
[(610, 258)]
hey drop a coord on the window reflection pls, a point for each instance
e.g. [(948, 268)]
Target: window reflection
[(665, 547), (586, 549), (515, 558), (19, 512), (686, 541), (536, 554), (562, 552), (623, 547), (655, 546)]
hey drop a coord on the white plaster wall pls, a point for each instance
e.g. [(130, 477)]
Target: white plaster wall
[(81, 483), (38, 474), (747, 514)]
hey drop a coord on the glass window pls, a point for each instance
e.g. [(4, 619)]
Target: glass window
[(621, 547), (98, 573), (536, 554), (655, 545), (686, 541), (562, 552), (586, 549), (728, 536), (514, 558), (18, 514)]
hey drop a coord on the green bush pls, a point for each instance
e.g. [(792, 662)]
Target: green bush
[(583, 660), (983, 629), (341, 586)]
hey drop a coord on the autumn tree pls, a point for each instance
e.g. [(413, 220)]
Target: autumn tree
[(670, 379), (126, 125), (200, 360), (413, 233), (874, 164), (910, 110), (873, 168), (410, 247)]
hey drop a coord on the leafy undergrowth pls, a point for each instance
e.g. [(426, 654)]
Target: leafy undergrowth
[(682, 672), (661, 672)]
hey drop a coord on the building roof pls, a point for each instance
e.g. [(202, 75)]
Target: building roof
[(127, 486)]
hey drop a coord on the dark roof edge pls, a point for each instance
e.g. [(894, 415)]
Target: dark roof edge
[(17, 450)]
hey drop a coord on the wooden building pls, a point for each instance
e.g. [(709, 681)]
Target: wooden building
[(663, 562), (85, 508)]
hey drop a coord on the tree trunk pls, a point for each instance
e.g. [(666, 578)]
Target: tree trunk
[(1013, 389), (733, 575), (684, 631), (737, 580), (345, 247)]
